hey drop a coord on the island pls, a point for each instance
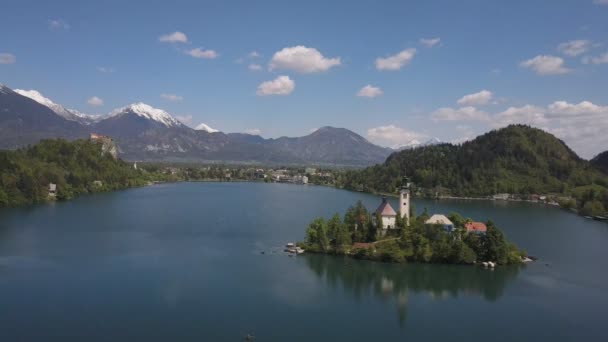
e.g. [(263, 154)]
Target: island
[(385, 235)]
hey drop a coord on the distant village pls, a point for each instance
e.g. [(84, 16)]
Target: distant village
[(225, 173)]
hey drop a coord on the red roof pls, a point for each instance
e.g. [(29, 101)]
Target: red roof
[(385, 209), (476, 227)]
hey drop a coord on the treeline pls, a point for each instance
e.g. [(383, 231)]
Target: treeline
[(517, 159), (76, 167), (417, 242)]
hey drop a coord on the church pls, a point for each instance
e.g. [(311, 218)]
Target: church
[(387, 214)]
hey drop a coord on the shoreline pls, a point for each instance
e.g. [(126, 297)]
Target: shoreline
[(352, 255)]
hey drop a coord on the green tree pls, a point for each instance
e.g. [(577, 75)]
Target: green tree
[(593, 208)]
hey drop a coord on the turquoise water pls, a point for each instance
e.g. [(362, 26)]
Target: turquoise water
[(183, 262)]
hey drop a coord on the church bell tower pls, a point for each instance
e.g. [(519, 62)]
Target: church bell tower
[(404, 200)]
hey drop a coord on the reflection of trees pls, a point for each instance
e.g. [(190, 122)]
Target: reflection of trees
[(395, 281)]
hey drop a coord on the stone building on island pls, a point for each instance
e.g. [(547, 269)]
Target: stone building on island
[(387, 214)]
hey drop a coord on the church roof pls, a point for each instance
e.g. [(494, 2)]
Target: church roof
[(385, 209)]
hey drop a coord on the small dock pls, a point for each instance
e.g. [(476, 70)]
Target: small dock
[(292, 248)]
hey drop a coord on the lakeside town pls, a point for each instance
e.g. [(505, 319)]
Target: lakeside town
[(321, 176)]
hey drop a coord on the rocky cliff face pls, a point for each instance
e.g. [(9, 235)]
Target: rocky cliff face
[(107, 144)]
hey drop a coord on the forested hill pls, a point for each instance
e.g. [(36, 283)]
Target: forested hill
[(601, 162), (517, 159), (25, 174)]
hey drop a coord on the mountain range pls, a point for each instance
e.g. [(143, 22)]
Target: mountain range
[(150, 134)]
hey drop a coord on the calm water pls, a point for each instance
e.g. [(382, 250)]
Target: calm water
[(183, 262)]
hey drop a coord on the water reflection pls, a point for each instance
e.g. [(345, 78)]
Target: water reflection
[(396, 282)]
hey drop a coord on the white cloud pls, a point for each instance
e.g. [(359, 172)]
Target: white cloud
[(430, 42), (574, 48), (254, 67), (302, 59), (476, 99), (95, 101), (58, 24), (460, 114), (282, 85), (465, 133), (201, 53), (584, 108), (528, 114), (105, 70), (254, 54), (253, 131), (396, 62), (370, 91), (185, 119), (393, 136), (171, 97), (546, 65), (601, 59), (7, 58), (175, 37), (600, 2)]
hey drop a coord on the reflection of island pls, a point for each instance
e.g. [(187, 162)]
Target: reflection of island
[(388, 281)]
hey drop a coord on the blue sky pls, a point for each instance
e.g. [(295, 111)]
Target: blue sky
[(543, 63)]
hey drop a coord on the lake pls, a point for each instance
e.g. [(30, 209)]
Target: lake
[(183, 262)]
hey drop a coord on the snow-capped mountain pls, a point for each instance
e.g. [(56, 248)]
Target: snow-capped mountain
[(414, 143), (206, 128), (148, 112), (70, 114), (24, 121), (410, 144), (142, 132), (432, 141)]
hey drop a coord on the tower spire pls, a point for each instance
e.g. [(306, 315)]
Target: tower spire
[(404, 200)]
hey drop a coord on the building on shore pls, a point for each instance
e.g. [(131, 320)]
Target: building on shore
[(476, 227), (501, 197), (300, 179), (441, 220), (52, 190), (387, 215)]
